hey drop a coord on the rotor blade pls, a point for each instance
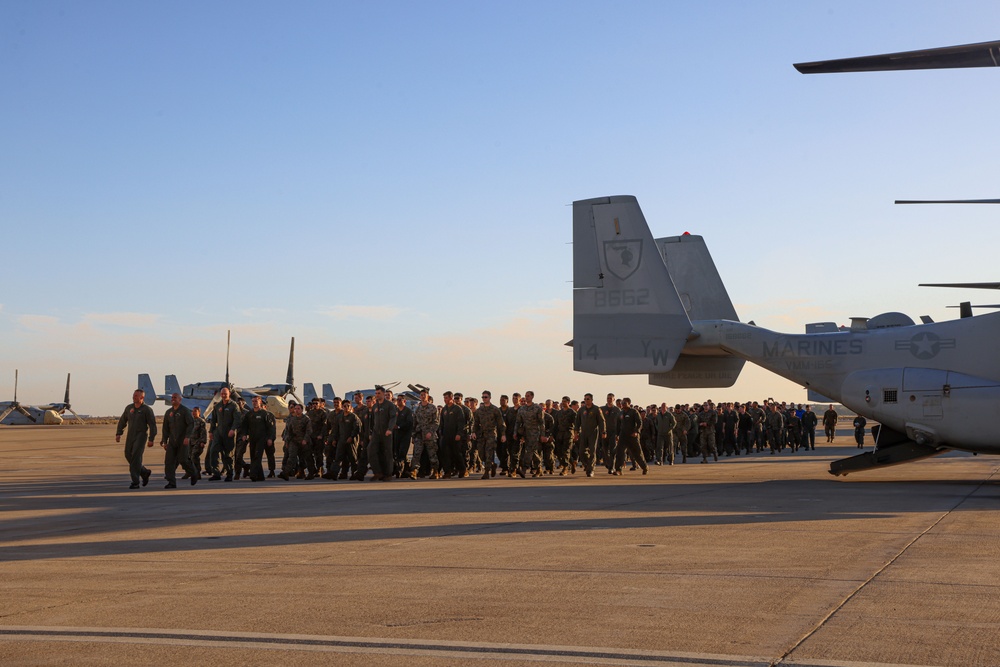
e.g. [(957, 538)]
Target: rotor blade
[(227, 357), (947, 201), (66, 398), (290, 376), (301, 402), (25, 413), (963, 285), (982, 54), (977, 305), (78, 417), (211, 404), (15, 386), (6, 412)]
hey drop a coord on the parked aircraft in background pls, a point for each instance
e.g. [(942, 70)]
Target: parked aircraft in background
[(14, 413), (204, 395)]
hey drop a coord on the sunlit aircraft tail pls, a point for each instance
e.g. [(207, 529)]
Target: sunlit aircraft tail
[(308, 392), (634, 298), (328, 394), (146, 385), (627, 316)]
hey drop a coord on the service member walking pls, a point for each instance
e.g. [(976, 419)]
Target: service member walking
[(224, 423), (140, 420), (258, 427), (178, 429)]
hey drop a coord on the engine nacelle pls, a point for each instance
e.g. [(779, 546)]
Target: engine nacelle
[(932, 407)]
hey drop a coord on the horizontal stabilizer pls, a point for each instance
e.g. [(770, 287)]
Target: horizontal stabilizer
[(627, 315), (698, 372)]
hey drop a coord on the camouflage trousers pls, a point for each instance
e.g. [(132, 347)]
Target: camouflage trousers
[(707, 440), (487, 447), (300, 455), (421, 443), (564, 448), (530, 450)]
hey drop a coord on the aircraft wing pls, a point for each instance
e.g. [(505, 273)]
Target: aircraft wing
[(982, 54)]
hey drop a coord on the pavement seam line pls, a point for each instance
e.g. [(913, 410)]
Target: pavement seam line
[(879, 571)]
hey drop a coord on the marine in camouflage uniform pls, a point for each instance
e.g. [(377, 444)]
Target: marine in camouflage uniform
[(140, 418), (488, 426), (590, 428), (530, 422), (299, 443), (707, 420), (178, 426), (425, 434), (565, 432)]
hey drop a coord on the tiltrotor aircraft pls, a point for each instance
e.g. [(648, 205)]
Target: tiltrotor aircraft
[(658, 307), (205, 395), (13, 413)]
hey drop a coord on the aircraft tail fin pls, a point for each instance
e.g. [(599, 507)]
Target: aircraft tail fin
[(145, 383), (328, 393), (704, 297), (172, 386), (308, 392), (627, 315)]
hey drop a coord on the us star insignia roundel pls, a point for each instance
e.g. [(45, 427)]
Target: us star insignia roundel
[(622, 257)]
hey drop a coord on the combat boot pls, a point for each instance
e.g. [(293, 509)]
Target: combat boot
[(413, 474), (238, 471), (283, 475), (493, 470), (572, 467), (563, 472), (270, 474)]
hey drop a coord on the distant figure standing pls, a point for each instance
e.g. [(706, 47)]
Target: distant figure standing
[(140, 420), (224, 423), (830, 423), (859, 430)]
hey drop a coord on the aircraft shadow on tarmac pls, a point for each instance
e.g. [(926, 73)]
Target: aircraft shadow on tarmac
[(81, 509)]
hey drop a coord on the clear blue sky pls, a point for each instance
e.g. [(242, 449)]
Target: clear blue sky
[(388, 181)]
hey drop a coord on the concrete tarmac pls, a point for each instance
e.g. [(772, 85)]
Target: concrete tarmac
[(759, 560)]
